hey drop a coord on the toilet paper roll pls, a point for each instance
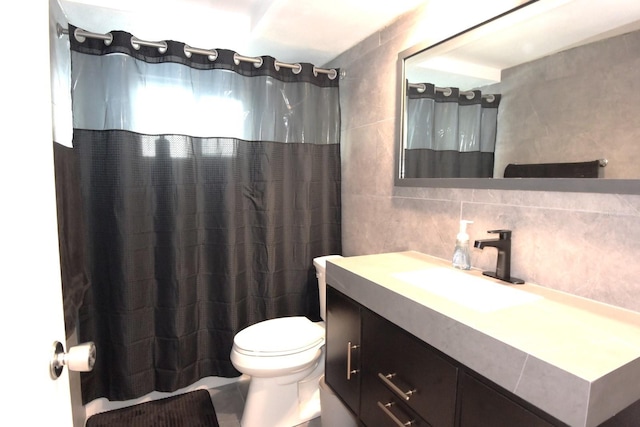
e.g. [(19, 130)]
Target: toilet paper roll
[(81, 358)]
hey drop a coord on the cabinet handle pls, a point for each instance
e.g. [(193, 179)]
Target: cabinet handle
[(349, 370), (406, 395), (385, 408)]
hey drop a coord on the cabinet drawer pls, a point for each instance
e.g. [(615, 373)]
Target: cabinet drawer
[(408, 368), (381, 407)]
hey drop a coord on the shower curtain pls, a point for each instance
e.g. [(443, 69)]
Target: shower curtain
[(209, 183), (450, 134)]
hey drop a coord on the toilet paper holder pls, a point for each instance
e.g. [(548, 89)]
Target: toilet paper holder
[(80, 358)]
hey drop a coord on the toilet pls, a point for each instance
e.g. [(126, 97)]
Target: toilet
[(285, 359)]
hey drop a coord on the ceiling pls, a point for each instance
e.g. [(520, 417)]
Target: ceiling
[(289, 30)]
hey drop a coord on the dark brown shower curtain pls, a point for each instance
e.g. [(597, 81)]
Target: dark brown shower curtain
[(71, 232), (192, 238)]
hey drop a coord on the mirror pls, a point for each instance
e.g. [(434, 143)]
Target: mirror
[(566, 73)]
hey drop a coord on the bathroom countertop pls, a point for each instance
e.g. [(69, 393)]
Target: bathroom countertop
[(575, 358)]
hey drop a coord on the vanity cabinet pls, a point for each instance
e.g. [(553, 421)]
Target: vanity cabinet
[(388, 377), (496, 357)]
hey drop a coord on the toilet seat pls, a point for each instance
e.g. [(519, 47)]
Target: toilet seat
[(279, 337)]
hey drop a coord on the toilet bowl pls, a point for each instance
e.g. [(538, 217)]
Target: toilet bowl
[(276, 347), (285, 359)]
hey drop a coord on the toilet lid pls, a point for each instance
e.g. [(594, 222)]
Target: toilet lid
[(280, 336)]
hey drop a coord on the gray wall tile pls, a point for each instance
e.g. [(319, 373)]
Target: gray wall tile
[(581, 243)]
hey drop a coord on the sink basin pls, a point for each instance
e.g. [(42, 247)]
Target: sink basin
[(470, 291)]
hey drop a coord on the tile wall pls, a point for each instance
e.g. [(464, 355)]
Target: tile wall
[(583, 243)]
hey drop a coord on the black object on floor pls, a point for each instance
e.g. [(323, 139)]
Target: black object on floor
[(193, 409)]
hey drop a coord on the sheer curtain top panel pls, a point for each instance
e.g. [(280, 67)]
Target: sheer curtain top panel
[(162, 91)]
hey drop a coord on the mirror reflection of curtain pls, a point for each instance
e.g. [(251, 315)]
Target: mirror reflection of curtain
[(208, 188), (449, 134)]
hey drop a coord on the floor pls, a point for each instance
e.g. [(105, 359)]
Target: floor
[(228, 401)]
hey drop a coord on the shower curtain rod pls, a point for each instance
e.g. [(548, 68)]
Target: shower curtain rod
[(81, 35), (421, 87)]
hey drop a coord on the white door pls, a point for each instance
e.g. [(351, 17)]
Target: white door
[(30, 291)]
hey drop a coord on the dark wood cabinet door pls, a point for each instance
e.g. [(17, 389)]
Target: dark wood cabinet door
[(342, 366), (483, 406)]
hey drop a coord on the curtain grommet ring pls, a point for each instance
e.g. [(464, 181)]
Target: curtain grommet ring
[(331, 73), (257, 60), (211, 54), (468, 94), (163, 49), (107, 42), (80, 38), (135, 43), (295, 68), (162, 46), (82, 35)]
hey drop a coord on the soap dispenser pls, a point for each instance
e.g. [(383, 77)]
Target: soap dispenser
[(461, 256)]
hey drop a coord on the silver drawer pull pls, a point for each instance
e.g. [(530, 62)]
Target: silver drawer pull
[(349, 370), (385, 408), (406, 395)]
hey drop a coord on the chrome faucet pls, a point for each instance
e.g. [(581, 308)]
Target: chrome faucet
[(503, 244)]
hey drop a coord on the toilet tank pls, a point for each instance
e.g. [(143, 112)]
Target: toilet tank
[(320, 264)]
